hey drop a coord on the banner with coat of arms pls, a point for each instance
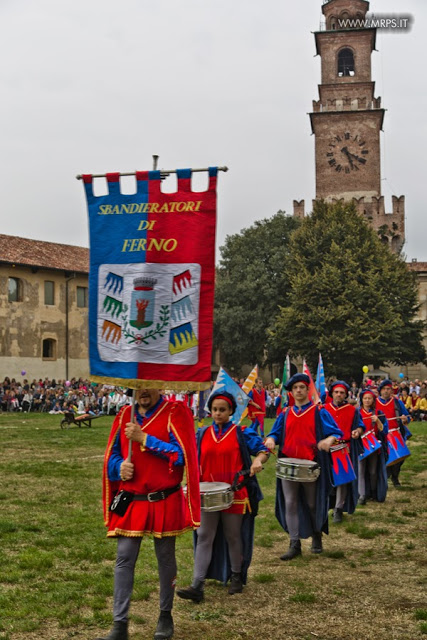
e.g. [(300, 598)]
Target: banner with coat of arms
[(151, 282)]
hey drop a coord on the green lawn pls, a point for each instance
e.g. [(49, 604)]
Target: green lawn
[(56, 575)]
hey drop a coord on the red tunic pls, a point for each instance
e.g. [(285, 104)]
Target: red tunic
[(169, 517), (389, 410), (259, 398), (367, 420), (220, 460), (300, 436), (343, 416)]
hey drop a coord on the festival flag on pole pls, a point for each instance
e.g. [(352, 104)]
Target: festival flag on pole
[(248, 386), (286, 375), (312, 392), (151, 282), (225, 383), (320, 377)]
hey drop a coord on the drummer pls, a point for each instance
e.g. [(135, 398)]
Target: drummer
[(349, 421), (307, 432), (372, 470), (224, 541), (397, 416)]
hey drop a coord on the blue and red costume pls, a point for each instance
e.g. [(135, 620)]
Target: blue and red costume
[(393, 409), (256, 414), (381, 456), (223, 452), (170, 448), (297, 431), (347, 417)]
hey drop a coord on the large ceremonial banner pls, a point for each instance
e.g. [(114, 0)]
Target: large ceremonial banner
[(151, 282)]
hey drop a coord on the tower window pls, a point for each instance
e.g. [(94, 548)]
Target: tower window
[(345, 63)]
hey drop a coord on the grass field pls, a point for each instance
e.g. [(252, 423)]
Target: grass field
[(56, 575)]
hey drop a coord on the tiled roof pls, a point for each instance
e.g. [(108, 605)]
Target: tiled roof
[(417, 266), (48, 255)]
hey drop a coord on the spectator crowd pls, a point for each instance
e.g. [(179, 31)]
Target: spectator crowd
[(81, 396)]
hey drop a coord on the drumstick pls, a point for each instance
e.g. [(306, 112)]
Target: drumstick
[(273, 452)]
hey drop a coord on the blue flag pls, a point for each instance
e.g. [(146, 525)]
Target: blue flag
[(320, 377), (225, 383)]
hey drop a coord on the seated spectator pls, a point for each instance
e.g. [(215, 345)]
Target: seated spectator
[(27, 401), (423, 408), (414, 405), (405, 397)]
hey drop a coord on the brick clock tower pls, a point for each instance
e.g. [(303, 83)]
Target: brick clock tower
[(347, 120)]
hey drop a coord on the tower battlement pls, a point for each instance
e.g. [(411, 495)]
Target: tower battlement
[(389, 226)]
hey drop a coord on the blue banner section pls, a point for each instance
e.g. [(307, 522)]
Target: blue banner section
[(106, 214)]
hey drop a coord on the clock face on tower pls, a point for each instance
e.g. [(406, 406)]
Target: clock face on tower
[(347, 152)]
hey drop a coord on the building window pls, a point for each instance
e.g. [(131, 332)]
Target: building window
[(82, 296), (49, 349), (345, 63), (15, 290), (49, 292)]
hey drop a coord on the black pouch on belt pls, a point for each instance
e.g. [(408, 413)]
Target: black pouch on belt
[(121, 501)]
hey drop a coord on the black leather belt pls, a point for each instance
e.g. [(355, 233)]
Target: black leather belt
[(155, 496)]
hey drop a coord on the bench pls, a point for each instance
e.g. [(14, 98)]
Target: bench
[(71, 418)]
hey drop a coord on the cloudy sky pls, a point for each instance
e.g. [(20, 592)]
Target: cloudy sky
[(90, 86)]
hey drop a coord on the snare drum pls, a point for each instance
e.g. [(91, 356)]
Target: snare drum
[(215, 496), (297, 470), (397, 449), (342, 469), (370, 444)]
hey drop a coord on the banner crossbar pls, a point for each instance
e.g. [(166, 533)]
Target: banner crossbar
[(164, 173)]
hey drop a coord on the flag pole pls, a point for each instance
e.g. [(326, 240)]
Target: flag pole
[(132, 415), (132, 411)]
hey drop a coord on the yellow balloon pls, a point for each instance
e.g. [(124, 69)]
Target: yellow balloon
[(365, 369)]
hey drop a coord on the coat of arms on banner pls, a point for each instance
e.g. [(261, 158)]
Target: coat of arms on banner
[(148, 311)]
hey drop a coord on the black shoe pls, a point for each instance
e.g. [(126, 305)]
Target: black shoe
[(316, 543), (294, 550), (191, 593), (374, 496), (118, 632), (236, 584), (362, 500), (395, 482), (337, 515), (164, 629)]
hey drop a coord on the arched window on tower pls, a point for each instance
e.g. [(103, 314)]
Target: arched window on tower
[(345, 63)]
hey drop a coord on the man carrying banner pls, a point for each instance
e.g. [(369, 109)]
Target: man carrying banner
[(143, 497), (257, 406), (351, 424), (307, 432)]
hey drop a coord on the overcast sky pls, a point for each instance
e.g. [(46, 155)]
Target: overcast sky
[(90, 86)]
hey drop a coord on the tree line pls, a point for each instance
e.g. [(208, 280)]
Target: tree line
[(322, 284)]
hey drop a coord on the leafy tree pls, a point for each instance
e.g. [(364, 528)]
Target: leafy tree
[(251, 283), (350, 298)]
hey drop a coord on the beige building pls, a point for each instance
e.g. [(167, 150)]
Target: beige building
[(43, 309)]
